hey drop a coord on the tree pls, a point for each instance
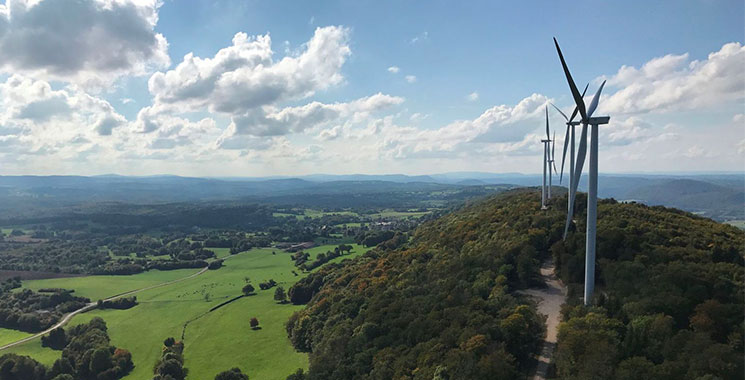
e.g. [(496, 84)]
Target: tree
[(298, 375), (248, 289), (280, 295), (254, 323), (100, 360), (232, 374), (56, 339)]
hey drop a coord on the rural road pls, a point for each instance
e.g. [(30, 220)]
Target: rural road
[(550, 300), (92, 305)]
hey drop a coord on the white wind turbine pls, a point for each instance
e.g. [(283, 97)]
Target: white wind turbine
[(569, 140), (547, 160), (592, 193)]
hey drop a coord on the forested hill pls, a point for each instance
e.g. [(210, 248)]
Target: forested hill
[(443, 307), (670, 296)]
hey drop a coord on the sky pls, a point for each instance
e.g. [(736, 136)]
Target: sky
[(261, 88)]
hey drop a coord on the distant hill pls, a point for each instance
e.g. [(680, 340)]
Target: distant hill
[(721, 197)]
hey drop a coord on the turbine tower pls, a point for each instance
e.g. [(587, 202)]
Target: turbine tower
[(545, 162), (592, 193), (546, 194), (549, 157)]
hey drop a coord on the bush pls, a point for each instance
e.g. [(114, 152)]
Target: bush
[(233, 374)]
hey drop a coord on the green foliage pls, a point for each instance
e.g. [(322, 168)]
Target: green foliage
[(439, 308), (233, 374), (31, 311), (670, 297), (280, 295), (248, 289), (87, 355), (171, 363)]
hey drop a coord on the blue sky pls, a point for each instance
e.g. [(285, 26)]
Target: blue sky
[(459, 86)]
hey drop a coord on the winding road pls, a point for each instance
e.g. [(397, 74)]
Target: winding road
[(550, 300), (93, 305)]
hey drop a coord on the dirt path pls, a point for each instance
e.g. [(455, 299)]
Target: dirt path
[(550, 300), (92, 305)]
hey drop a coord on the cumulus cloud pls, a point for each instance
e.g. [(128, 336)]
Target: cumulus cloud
[(672, 83), (88, 42), (393, 69), (244, 76), (411, 78), (474, 96), (33, 104), (275, 122), (500, 128)]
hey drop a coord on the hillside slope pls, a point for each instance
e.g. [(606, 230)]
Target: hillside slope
[(442, 307), (669, 296)]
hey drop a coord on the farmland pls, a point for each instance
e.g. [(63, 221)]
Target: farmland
[(214, 341)]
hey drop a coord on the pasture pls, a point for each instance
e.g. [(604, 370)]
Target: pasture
[(215, 341)]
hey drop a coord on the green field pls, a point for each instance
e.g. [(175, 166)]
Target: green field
[(310, 213), (220, 252), (10, 336), (100, 287), (215, 341), (398, 214)]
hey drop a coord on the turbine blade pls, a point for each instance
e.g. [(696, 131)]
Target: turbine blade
[(574, 113), (553, 147), (562, 113), (581, 153), (553, 153), (573, 87), (595, 100), (547, 133), (564, 154)]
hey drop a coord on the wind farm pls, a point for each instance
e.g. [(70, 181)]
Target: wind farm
[(336, 190)]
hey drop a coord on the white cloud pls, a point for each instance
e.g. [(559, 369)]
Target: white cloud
[(474, 96), (417, 117), (501, 128), (89, 42), (393, 69), (738, 118), (411, 78), (126, 100), (274, 122), (694, 151), (669, 83), (33, 104), (420, 37), (244, 76)]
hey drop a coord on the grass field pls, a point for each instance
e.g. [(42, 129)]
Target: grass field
[(10, 336), (99, 287), (214, 341), (398, 214), (220, 252)]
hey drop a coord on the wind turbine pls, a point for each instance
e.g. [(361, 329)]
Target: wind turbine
[(592, 193), (569, 137), (546, 161)]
